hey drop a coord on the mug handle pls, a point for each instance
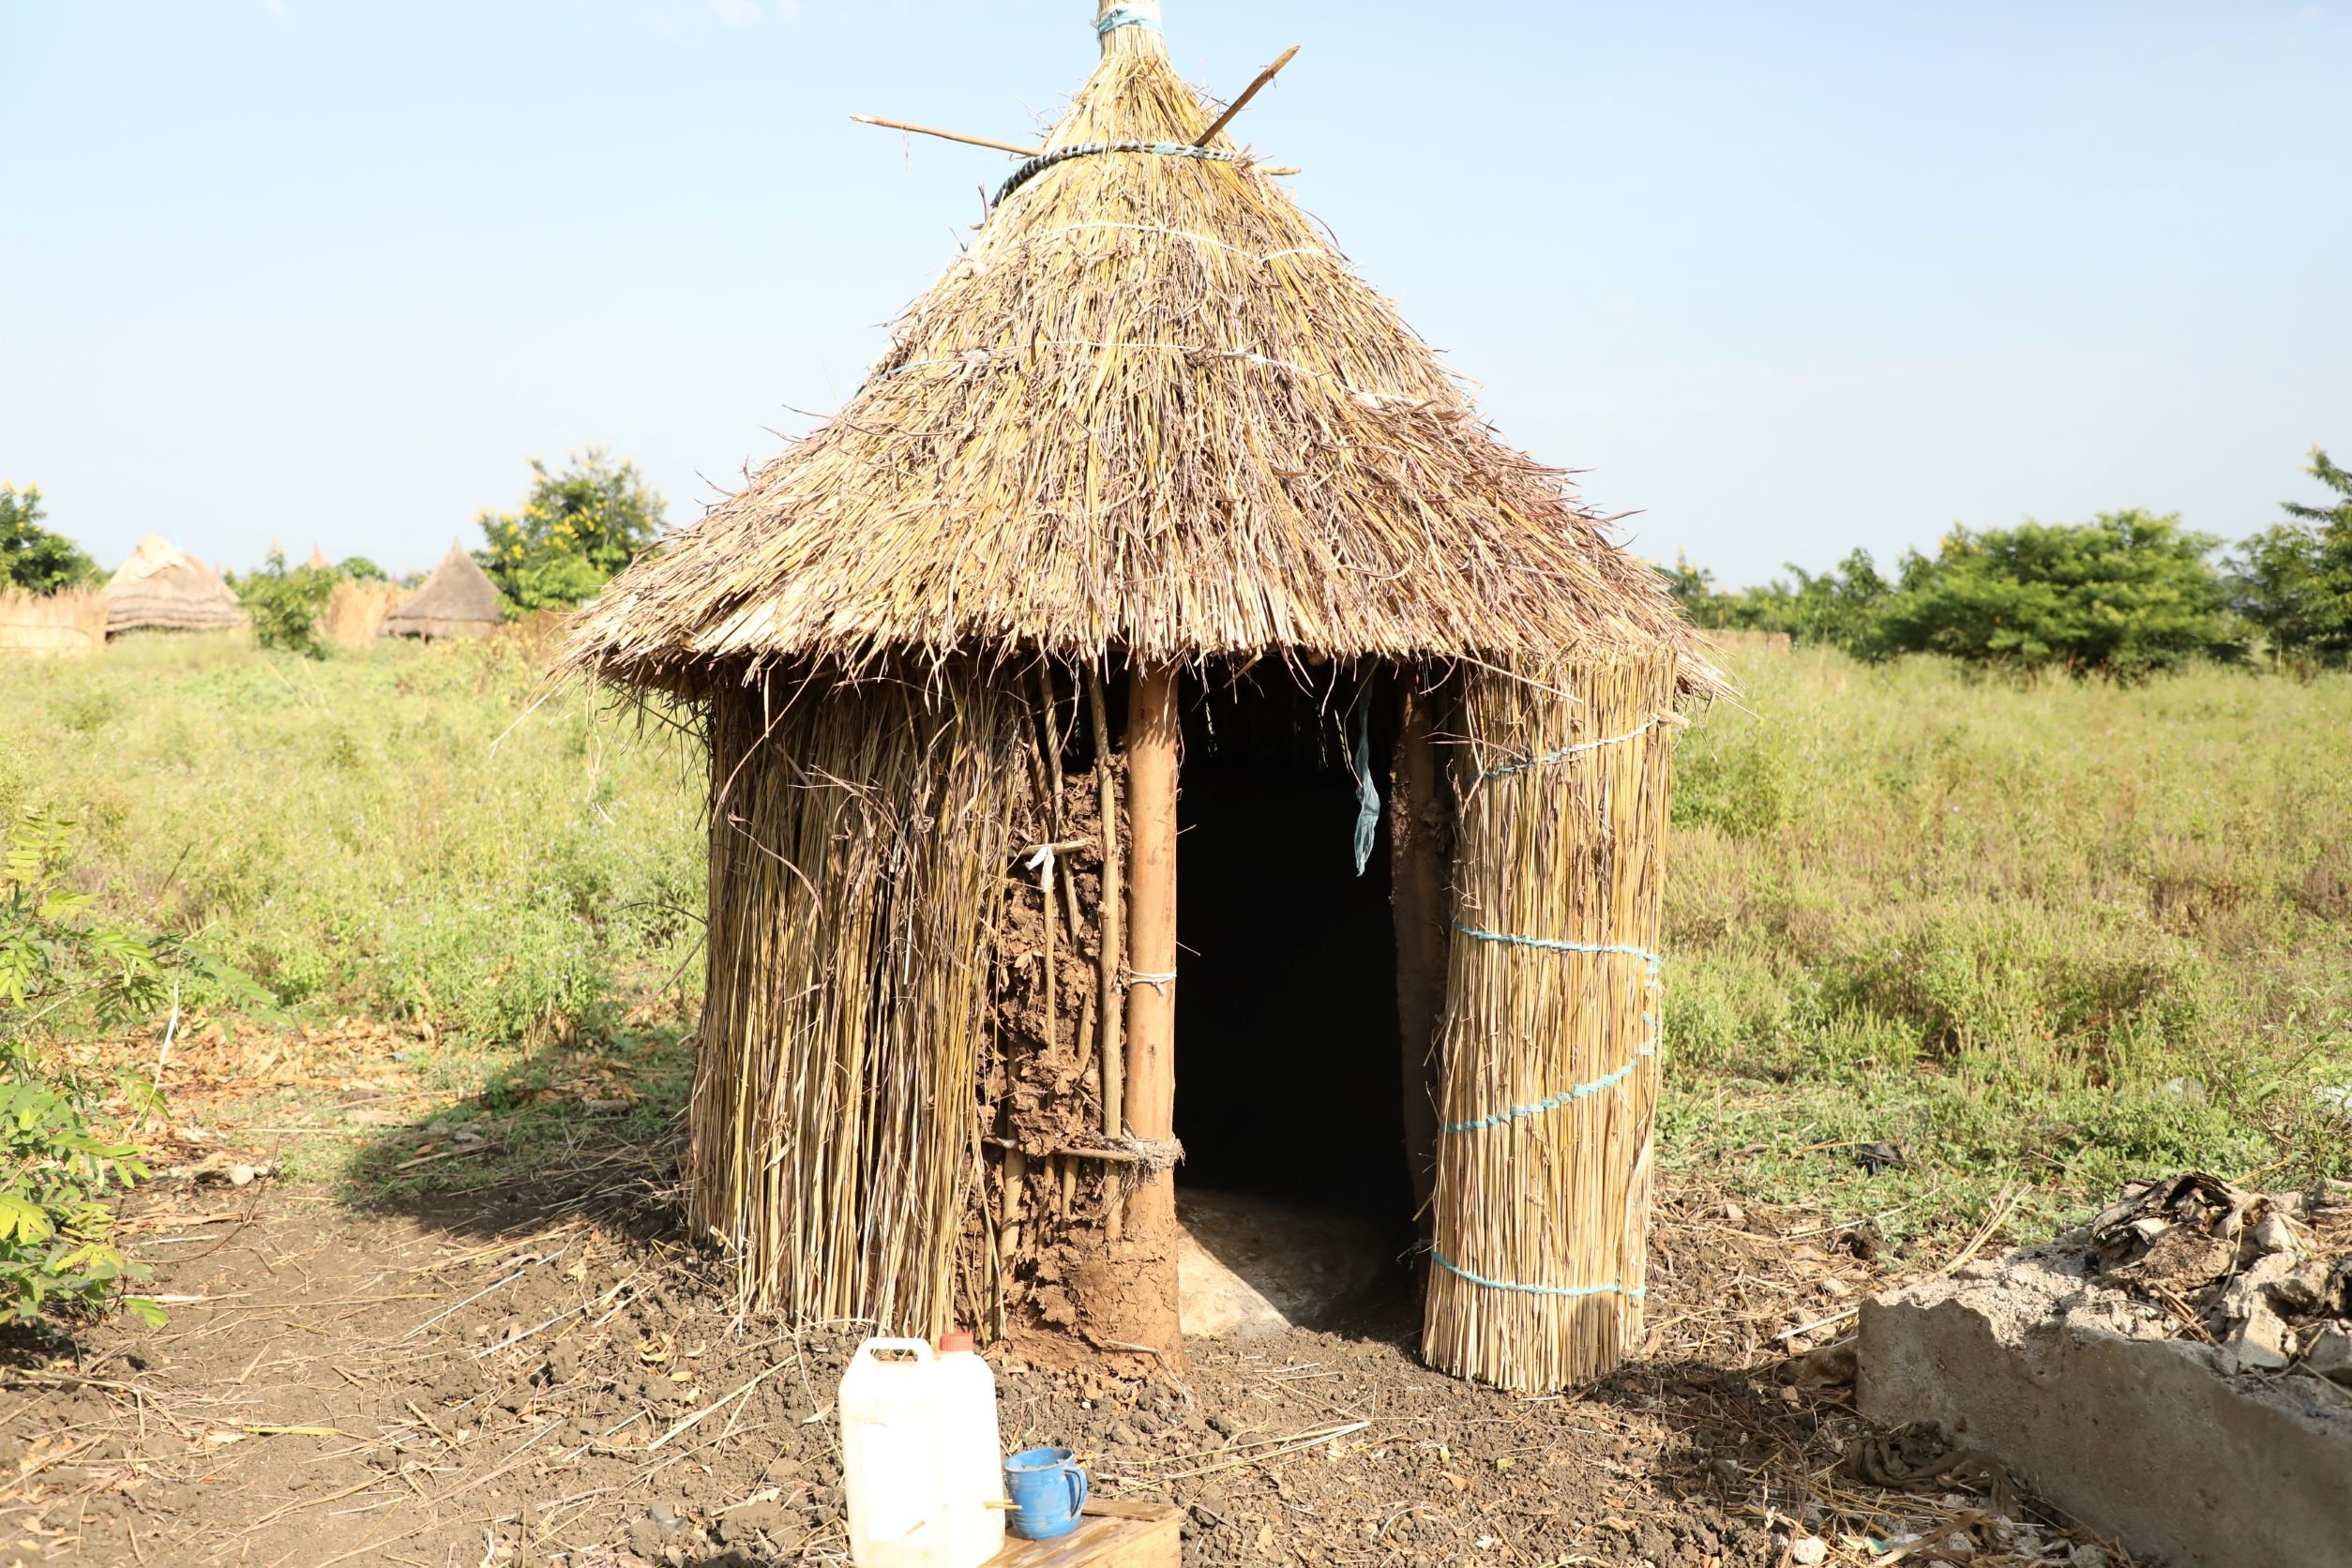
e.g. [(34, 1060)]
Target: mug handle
[(1079, 1487)]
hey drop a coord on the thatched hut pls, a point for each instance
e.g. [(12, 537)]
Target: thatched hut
[(164, 589), (1152, 480), (457, 599)]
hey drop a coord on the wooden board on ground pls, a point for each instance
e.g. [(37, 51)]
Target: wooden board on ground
[(1113, 1533)]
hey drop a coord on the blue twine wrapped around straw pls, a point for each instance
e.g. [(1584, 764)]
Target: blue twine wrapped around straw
[(1568, 751), (1571, 1291), (1124, 16), (1651, 962)]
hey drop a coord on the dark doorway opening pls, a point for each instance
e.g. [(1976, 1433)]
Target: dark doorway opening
[(1286, 1078)]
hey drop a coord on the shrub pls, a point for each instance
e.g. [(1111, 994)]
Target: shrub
[(31, 557), (57, 1166), (2125, 594), (285, 603), (575, 531), (2294, 580)]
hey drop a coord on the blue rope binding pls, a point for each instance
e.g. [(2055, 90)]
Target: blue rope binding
[(1124, 16), (1571, 1291)]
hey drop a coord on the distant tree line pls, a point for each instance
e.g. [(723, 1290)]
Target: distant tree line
[(575, 529), (2126, 594)]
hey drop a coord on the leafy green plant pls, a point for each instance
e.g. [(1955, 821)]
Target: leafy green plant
[(31, 557), (285, 602), (2125, 594), (575, 531), (58, 1165), (2294, 580)]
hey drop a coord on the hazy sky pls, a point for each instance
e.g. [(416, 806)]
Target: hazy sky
[(1787, 279)]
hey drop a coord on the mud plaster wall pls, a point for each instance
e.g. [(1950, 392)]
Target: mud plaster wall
[(1037, 1260)]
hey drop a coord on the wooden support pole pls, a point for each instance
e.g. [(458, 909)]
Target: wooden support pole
[(1148, 1309), (1421, 848)]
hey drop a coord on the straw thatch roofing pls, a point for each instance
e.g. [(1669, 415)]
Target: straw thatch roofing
[(1151, 410), (164, 589), (457, 600)]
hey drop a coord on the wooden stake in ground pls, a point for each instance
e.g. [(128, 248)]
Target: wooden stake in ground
[(1113, 955), (1144, 1302)]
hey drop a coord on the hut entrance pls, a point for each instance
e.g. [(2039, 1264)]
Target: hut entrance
[(1287, 1032)]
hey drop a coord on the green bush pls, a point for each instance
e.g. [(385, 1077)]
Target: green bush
[(2294, 580), (576, 530), (31, 557), (2126, 595), (58, 967), (285, 603)]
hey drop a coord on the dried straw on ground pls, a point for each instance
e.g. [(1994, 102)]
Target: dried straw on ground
[(164, 589), (72, 621), (1151, 419), (459, 599), (1550, 1038)]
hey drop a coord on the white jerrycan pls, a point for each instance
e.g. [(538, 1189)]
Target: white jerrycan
[(971, 1456), (915, 1434)]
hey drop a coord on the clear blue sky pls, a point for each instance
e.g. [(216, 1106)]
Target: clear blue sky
[(1787, 279)]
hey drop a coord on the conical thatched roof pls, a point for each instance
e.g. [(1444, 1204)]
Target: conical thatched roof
[(457, 600), (164, 589), (1153, 409)]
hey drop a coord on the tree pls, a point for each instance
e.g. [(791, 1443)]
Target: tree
[(1840, 606), (285, 602), (2294, 579), (360, 569), (32, 558), (576, 530), (2125, 594)]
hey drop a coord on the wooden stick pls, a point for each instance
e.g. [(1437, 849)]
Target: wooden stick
[(953, 135), (1154, 734), (1113, 954), (1238, 104), (1418, 841)]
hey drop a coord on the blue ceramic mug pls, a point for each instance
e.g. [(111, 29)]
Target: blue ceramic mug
[(1048, 1488)]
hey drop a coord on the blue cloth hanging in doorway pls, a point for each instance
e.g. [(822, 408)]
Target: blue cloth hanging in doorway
[(1367, 792)]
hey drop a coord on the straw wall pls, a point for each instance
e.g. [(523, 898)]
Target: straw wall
[(71, 622), (1550, 1033), (858, 847), (355, 611)]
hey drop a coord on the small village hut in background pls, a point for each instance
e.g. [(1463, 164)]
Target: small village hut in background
[(1152, 491), (459, 599), (164, 589)]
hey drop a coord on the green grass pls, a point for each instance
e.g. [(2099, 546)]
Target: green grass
[(2056, 934), (2061, 933)]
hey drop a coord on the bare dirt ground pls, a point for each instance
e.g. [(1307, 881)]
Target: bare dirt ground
[(545, 1374)]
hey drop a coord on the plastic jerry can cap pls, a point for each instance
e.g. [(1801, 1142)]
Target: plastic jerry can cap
[(954, 1340)]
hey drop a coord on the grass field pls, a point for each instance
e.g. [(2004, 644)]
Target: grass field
[(2044, 936)]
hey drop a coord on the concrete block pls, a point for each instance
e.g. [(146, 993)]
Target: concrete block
[(2082, 1394)]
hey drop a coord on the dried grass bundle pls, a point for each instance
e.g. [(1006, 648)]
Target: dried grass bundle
[(858, 838), (1550, 1034), (1152, 410)]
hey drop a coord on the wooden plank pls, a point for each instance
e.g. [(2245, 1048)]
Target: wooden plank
[(1114, 1534)]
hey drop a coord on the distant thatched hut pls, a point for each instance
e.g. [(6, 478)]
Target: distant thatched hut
[(164, 589), (459, 599), (1151, 471)]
